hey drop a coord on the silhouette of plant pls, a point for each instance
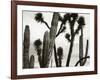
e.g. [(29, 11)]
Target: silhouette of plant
[(60, 55), (70, 37), (53, 30), (39, 18), (37, 45)]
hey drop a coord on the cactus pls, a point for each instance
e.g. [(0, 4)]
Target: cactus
[(83, 59), (53, 31), (26, 45), (60, 54), (81, 47), (31, 63), (86, 53), (45, 52)]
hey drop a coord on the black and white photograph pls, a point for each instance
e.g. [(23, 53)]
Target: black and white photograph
[(53, 39)]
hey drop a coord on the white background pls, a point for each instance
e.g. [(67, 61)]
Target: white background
[(5, 40)]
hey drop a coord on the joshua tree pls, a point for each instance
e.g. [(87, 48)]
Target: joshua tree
[(70, 37), (37, 45), (39, 18), (26, 45), (60, 54), (51, 35)]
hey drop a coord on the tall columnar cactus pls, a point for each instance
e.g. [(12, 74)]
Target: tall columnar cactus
[(83, 59), (53, 31), (32, 61), (86, 53), (45, 52), (60, 54), (37, 45), (81, 47), (26, 45)]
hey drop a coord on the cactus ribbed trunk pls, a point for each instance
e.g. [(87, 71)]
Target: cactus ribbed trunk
[(32, 60), (53, 31), (81, 47), (26, 45), (45, 52)]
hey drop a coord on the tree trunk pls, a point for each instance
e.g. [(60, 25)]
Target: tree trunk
[(70, 51), (55, 55)]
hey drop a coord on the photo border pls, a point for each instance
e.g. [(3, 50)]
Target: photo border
[(14, 38)]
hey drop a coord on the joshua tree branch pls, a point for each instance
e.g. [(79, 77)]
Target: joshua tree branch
[(46, 24), (59, 31), (81, 59)]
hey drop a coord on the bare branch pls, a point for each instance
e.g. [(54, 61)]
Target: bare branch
[(81, 59)]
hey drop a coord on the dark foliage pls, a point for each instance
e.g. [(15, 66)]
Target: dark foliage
[(37, 43), (39, 17), (60, 52), (60, 55), (81, 21), (67, 36)]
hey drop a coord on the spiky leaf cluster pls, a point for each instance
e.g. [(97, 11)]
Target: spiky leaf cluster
[(60, 52), (37, 43), (39, 17)]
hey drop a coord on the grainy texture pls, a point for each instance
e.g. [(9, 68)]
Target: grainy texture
[(53, 31), (32, 61), (26, 45), (45, 52), (81, 47)]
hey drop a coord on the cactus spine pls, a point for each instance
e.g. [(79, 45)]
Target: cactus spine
[(26, 47)]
